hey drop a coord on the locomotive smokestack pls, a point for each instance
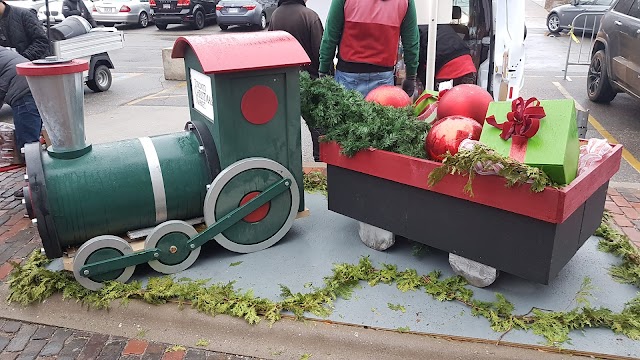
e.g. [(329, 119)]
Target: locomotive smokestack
[(57, 88)]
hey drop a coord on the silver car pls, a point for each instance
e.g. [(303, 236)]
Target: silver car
[(111, 12), (245, 12), (561, 17)]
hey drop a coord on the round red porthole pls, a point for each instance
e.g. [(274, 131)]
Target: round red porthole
[(259, 104)]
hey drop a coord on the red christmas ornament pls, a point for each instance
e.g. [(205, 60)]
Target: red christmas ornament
[(465, 100), (447, 134), (389, 95)]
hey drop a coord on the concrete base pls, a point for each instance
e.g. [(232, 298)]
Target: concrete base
[(477, 274), (376, 238), (173, 68)]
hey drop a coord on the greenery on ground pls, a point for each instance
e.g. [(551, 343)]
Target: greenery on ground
[(315, 182), (513, 171), (357, 124), (32, 282)]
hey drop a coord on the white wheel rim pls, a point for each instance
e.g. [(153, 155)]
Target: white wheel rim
[(229, 173), (159, 232), (91, 246)]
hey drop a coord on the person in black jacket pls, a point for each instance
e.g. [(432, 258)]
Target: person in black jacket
[(453, 57), (21, 29), (304, 24), (77, 7)]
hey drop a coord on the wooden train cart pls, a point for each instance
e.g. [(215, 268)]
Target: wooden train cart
[(527, 234)]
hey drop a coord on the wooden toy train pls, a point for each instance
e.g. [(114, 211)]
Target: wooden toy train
[(238, 164), (238, 167)]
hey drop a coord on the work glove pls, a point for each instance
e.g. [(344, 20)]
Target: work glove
[(409, 85)]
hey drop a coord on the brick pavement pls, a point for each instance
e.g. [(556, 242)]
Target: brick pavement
[(24, 341), (21, 340)]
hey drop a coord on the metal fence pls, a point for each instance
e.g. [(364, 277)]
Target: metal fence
[(587, 24)]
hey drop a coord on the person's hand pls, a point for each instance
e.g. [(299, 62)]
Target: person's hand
[(409, 85)]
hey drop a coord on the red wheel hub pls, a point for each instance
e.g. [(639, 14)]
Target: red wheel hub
[(260, 213)]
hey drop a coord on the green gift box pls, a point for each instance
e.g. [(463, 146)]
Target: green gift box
[(543, 134)]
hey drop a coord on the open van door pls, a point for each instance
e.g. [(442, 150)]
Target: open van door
[(508, 52), (494, 30)]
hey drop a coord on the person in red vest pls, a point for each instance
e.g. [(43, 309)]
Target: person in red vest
[(367, 34), (453, 57)]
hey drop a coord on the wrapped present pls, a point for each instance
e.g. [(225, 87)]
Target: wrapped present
[(543, 134)]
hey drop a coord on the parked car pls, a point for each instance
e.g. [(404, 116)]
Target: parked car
[(192, 12), (615, 55), (561, 17), (55, 9), (112, 12), (245, 12), (34, 5)]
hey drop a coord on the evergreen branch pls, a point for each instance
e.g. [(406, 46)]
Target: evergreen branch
[(357, 124), (514, 172), (315, 181)]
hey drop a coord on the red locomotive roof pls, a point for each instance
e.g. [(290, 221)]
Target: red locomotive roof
[(243, 51)]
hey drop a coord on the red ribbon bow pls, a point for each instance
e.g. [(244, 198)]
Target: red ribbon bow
[(523, 122)]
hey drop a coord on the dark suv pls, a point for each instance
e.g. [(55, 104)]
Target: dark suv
[(193, 12), (615, 56)]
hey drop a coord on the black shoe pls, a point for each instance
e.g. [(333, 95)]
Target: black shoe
[(19, 194)]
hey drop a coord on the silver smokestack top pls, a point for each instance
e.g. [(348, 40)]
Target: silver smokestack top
[(58, 89)]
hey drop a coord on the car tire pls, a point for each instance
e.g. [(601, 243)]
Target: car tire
[(223, 27), (143, 20), (263, 21), (101, 79), (599, 86), (553, 23), (198, 20), (161, 26)]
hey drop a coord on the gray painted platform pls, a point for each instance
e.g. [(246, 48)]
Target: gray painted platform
[(307, 253)]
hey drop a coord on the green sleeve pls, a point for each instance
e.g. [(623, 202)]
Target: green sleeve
[(332, 35), (410, 39)]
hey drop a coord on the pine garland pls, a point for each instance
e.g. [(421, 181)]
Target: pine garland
[(32, 282), (618, 244), (513, 171), (357, 124)]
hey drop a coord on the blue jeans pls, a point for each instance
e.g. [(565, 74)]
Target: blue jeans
[(26, 120), (363, 82)]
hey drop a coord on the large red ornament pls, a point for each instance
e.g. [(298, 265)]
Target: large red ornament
[(389, 95), (447, 134), (465, 100)]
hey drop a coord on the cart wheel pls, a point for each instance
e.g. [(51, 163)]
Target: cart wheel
[(97, 249), (101, 79), (239, 183), (171, 238), (476, 274)]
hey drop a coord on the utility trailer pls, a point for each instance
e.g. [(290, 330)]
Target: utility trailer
[(93, 47)]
